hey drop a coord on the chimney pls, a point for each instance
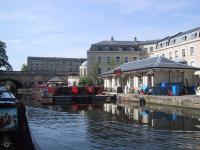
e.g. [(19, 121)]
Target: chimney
[(135, 39), (112, 38)]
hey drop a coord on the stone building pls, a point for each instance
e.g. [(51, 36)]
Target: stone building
[(83, 69), (182, 47), (59, 66), (106, 55)]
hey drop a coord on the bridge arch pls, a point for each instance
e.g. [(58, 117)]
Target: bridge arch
[(17, 84)]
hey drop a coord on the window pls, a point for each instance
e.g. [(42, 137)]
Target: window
[(107, 48), (183, 52), (134, 58), (174, 41), (151, 49), (97, 48), (125, 59), (117, 60), (191, 50), (99, 59), (108, 69), (99, 70), (184, 38), (176, 54), (85, 72), (120, 48), (108, 60), (81, 72), (131, 48), (170, 55), (160, 44), (163, 55)]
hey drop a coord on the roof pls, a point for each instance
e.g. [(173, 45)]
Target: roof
[(180, 34), (151, 63), (84, 63), (55, 79), (126, 43), (148, 42), (116, 43)]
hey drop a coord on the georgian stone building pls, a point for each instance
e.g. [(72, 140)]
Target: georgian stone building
[(182, 47), (109, 54)]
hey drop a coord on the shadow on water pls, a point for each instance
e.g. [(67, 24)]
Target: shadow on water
[(111, 126)]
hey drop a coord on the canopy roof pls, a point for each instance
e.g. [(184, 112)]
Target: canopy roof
[(158, 62), (56, 79)]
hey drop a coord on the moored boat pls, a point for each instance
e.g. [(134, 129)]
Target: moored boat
[(14, 129), (80, 95)]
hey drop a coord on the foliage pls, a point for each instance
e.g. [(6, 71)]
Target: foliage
[(4, 64), (24, 67), (85, 81)]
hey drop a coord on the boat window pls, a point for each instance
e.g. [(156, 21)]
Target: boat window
[(6, 94)]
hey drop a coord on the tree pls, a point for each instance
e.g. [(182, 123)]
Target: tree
[(4, 64), (85, 81), (95, 75), (24, 67)]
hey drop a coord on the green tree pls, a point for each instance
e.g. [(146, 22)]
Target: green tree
[(95, 76), (24, 67), (4, 64), (85, 81)]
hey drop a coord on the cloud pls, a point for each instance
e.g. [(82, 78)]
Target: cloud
[(27, 13), (190, 16), (18, 15)]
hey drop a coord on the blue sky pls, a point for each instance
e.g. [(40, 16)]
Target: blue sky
[(67, 28)]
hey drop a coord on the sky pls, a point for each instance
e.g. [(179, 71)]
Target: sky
[(67, 28)]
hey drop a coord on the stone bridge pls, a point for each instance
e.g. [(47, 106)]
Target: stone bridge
[(23, 79)]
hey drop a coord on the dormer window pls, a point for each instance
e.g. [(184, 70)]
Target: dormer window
[(131, 48), (120, 48), (107, 48), (184, 38)]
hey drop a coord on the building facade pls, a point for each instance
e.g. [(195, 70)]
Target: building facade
[(106, 55), (182, 47), (56, 65)]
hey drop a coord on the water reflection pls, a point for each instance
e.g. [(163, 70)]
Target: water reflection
[(111, 126), (155, 119)]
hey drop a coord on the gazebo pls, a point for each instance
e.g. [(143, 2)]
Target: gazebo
[(55, 81)]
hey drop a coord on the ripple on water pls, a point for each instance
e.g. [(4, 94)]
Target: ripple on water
[(95, 130)]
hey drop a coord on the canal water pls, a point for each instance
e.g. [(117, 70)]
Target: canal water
[(108, 126)]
